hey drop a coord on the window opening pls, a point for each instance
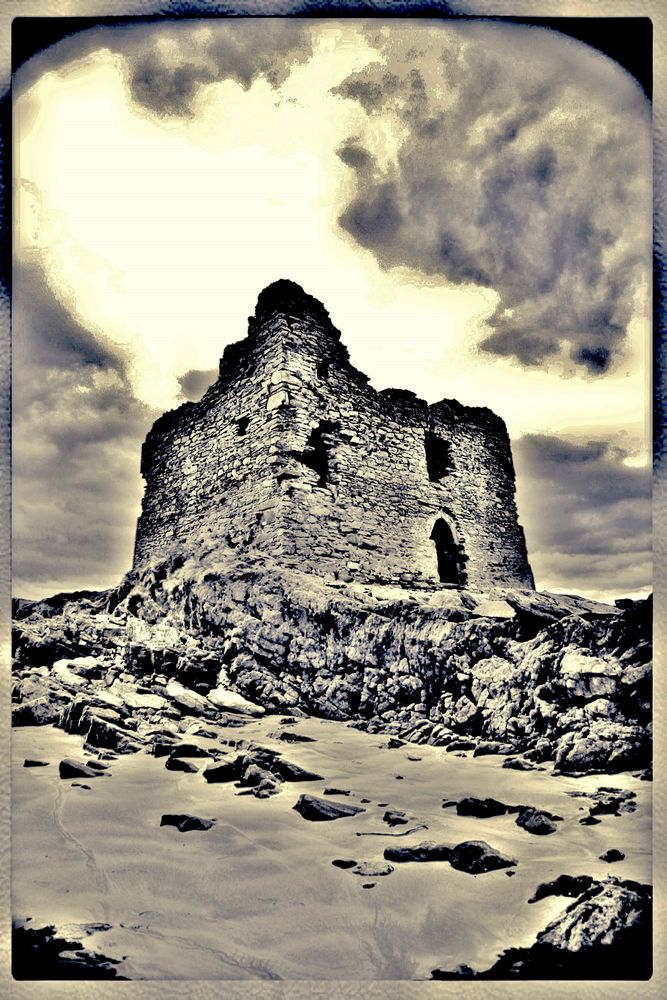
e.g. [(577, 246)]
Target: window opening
[(319, 447), (438, 457)]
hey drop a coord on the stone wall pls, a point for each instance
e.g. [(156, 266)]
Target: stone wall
[(293, 453)]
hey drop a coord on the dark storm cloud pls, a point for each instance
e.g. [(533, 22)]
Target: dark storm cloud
[(167, 62), (77, 432), (587, 514), (166, 82), (195, 382), (523, 165)]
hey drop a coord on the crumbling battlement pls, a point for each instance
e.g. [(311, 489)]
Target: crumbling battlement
[(293, 453)]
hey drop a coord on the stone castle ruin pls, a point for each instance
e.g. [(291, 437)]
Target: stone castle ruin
[(291, 453)]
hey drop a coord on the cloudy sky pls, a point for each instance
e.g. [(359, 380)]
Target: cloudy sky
[(470, 200)]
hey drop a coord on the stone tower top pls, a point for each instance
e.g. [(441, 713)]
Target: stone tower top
[(285, 296)]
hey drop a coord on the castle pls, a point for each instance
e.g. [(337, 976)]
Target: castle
[(293, 454)]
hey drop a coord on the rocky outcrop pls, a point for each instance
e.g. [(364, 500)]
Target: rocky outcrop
[(555, 678), (604, 934), (38, 953)]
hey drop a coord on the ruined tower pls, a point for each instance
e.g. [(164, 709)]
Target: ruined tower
[(292, 453)]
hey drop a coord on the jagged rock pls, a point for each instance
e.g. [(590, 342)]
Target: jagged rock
[(226, 770), (608, 801), (36, 712), (233, 702), (598, 916), (176, 764), (69, 768), (394, 817), (605, 747), (288, 771), (38, 953), (135, 700), (35, 763), (537, 821), (318, 810), (262, 782), (106, 734), (187, 698), (85, 666), (185, 822), (605, 934), (79, 714), (67, 677), (162, 745)]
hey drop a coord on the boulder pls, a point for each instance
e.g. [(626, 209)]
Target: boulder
[(185, 822), (69, 768), (135, 700), (288, 771), (175, 764), (426, 851), (612, 855), (605, 934), (536, 821), (605, 747), (598, 916), (103, 733), (394, 817), (482, 808), (226, 770), (476, 857), (188, 699), (233, 702)]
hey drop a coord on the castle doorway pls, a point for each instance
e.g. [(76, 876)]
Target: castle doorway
[(450, 555)]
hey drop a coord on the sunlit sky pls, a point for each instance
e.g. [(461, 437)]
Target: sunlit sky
[(151, 212)]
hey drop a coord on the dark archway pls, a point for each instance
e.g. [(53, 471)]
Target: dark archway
[(451, 558)]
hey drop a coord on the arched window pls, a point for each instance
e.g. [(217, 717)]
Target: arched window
[(450, 555)]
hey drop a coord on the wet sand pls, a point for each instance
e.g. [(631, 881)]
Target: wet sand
[(257, 897)]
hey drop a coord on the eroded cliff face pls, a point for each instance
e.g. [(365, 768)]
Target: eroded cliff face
[(555, 678)]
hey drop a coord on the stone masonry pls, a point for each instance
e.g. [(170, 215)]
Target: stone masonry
[(293, 454)]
